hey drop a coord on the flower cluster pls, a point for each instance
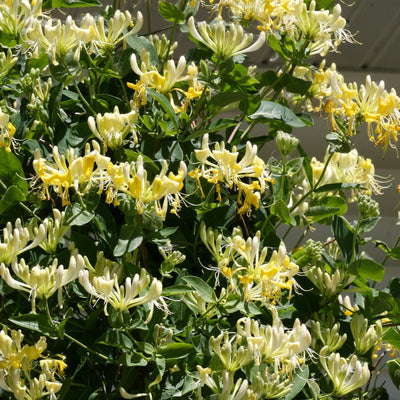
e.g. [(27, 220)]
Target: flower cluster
[(349, 104), (96, 170), (42, 281), (166, 82), (347, 168), (221, 167), (102, 282), (58, 39), (24, 371), (274, 351), (320, 30), (243, 262)]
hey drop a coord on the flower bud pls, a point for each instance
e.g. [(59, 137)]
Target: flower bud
[(286, 142)]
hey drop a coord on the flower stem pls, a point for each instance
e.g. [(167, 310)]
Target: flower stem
[(76, 341)]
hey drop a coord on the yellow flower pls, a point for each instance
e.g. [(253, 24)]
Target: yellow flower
[(7, 131), (132, 180), (70, 171), (276, 342), (221, 166), (17, 372), (151, 78)]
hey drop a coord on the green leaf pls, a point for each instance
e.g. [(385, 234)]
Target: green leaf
[(36, 322), (11, 197), (344, 236), (300, 379), (11, 171), (176, 350), (280, 209), (52, 4), (392, 336), (170, 12), (294, 165), (367, 224), (175, 289), (276, 111), (130, 238), (367, 268), (138, 43), (394, 372), (76, 214), (116, 338), (166, 105), (327, 207), (314, 389), (332, 187), (394, 253), (295, 85), (203, 288), (277, 47)]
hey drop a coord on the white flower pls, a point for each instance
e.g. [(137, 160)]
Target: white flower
[(225, 43), (346, 375)]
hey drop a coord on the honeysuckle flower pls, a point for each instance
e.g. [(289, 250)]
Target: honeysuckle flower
[(16, 368), (7, 131), (112, 128), (7, 62), (221, 166), (171, 258), (345, 375), (324, 29), (271, 385), (106, 39), (17, 15), (329, 284), (15, 240), (365, 336), (123, 297), (264, 281), (14, 354), (225, 44), (151, 78), (55, 231), (286, 142), (352, 104), (59, 39), (104, 267), (346, 305), (328, 336), (232, 355), (274, 342), (132, 180), (348, 168), (42, 282), (70, 171), (163, 46), (244, 9), (224, 385)]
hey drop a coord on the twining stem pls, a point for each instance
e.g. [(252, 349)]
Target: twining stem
[(76, 341), (315, 186), (82, 97)]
